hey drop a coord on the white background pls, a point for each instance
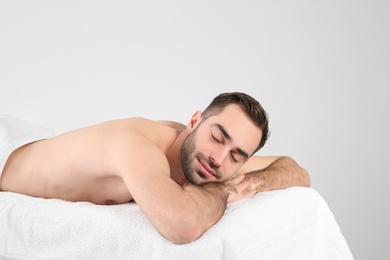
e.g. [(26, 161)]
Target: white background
[(321, 69)]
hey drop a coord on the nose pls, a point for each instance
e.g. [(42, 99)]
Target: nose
[(216, 159), (214, 162)]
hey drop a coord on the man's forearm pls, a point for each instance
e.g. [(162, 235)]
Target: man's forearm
[(207, 205), (281, 174), (207, 202)]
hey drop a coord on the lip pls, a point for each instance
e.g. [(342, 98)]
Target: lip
[(206, 168)]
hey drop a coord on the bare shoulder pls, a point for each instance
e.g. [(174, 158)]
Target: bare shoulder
[(96, 147), (176, 125), (160, 132), (135, 137), (139, 156), (141, 125)]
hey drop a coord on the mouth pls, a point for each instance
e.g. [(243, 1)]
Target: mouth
[(206, 169)]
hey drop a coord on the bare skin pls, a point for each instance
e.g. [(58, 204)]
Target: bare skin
[(139, 159)]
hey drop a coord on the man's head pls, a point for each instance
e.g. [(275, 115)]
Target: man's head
[(230, 130)]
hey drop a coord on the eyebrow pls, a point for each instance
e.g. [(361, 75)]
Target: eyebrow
[(227, 136)]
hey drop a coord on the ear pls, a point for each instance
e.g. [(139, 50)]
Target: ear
[(194, 121)]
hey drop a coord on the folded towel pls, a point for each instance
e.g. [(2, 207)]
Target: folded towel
[(295, 223)]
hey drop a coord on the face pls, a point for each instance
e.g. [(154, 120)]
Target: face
[(219, 145)]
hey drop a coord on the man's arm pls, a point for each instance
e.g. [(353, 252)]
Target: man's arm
[(181, 214), (272, 173)]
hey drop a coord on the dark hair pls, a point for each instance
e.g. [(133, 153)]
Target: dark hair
[(250, 106)]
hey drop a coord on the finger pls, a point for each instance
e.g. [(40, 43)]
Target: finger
[(243, 185)]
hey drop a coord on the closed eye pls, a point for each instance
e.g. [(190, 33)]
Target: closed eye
[(216, 139), (233, 154), (237, 156), (234, 158)]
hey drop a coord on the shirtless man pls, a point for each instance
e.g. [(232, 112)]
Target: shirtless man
[(182, 177)]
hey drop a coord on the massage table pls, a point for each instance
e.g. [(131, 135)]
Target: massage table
[(295, 223)]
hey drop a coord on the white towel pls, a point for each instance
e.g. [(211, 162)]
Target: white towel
[(295, 223)]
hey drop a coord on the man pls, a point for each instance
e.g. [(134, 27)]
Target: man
[(182, 177)]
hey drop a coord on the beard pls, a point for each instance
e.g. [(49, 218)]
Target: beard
[(188, 155)]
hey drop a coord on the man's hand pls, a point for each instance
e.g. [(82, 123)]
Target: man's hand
[(281, 173), (240, 187), (237, 188)]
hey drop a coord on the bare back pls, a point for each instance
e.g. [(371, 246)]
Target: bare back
[(79, 165)]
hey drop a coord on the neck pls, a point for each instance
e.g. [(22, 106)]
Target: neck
[(174, 158)]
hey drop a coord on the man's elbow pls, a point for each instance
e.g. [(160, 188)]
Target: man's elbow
[(301, 175), (185, 232), (306, 181)]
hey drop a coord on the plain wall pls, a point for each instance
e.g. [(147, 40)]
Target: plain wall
[(321, 69)]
